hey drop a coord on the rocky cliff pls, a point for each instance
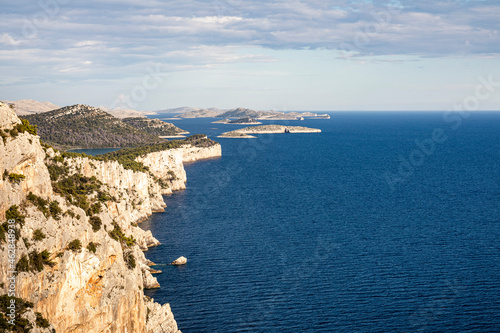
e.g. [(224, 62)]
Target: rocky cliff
[(169, 165), (79, 251)]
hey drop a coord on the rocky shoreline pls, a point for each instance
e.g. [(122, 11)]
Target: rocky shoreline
[(93, 273)]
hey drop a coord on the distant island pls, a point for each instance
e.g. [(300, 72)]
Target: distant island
[(248, 113), (188, 112), (267, 129), (240, 121)]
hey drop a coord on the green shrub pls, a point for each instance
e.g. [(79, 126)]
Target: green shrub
[(4, 227), (75, 245), (20, 324), (26, 242), (96, 222), (55, 210), (162, 182), (46, 258), (13, 214), (92, 247), (69, 213), (36, 261), (4, 136), (46, 146), (172, 175), (40, 203), (40, 321), (129, 259), (23, 264), (56, 171), (118, 235), (104, 196), (26, 127), (38, 235), (58, 158), (76, 189), (14, 132), (16, 177), (5, 174), (95, 208)]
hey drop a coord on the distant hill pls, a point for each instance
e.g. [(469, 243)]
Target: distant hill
[(24, 107), (248, 113), (189, 112), (186, 109), (200, 113), (154, 126), (87, 127), (240, 113), (126, 113)]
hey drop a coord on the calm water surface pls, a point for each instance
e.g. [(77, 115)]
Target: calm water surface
[(336, 232)]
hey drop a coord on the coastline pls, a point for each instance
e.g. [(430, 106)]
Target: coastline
[(101, 277)]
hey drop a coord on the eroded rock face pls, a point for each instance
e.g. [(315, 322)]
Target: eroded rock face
[(87, 291), (20, 155), (168, 165), (137, 194), (160, 318)]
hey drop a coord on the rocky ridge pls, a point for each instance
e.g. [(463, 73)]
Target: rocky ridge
[(96, 284), (24, 107), (88, 127)]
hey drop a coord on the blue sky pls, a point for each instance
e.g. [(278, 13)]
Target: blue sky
[(282, 55)]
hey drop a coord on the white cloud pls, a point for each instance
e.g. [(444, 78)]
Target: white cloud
[(88, 43)]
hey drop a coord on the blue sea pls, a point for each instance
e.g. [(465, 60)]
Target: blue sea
[(384, 222)]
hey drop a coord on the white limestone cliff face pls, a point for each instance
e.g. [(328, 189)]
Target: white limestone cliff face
[(20, 155), (169, 164), (137, 194), (83, 291)]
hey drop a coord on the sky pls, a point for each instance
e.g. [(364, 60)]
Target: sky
[(316, 55)]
